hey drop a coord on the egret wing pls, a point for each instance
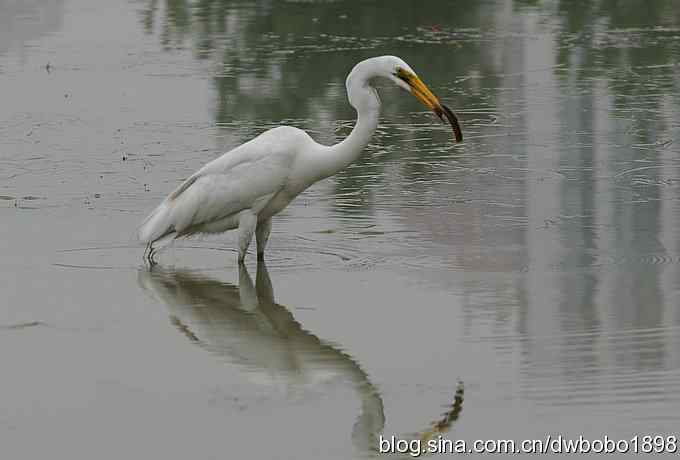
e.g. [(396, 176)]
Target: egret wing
[(246, 177), (214, 194)]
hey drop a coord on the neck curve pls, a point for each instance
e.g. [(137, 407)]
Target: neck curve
[(364, 98)]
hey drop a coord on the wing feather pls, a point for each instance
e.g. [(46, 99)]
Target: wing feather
[(243, 178)]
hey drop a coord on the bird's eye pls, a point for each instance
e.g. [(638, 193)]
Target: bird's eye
[(401, 74)]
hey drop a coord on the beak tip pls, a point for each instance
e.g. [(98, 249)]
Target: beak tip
[(453, 120)]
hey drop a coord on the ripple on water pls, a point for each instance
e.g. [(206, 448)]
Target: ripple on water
[(115, 257), (130, 256), (363, 249), (299, 254), (598, 262), (644, 259), (613, 370)]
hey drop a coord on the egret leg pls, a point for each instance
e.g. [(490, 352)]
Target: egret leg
[(246, 227), (262, 232)]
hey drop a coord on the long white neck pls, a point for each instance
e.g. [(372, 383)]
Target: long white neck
[(364, 98)]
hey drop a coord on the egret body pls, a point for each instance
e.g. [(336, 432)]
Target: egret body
[(245, 187)]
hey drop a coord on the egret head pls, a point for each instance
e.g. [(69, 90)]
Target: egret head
[(403, 76), (400, 73)]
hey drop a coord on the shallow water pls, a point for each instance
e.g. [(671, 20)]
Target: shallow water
[(521, 284)]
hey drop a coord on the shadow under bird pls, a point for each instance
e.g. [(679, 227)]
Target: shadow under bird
[(245, 187), (245, 325)]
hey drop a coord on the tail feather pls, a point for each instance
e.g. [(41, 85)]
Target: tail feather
[(157, 225)]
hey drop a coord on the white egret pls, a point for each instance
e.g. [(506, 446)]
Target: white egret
[(248, 185)]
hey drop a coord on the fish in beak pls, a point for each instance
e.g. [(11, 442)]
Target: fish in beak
[(429, 100)]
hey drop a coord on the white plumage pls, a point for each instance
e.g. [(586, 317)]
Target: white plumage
[(217, 191), (248, 185)]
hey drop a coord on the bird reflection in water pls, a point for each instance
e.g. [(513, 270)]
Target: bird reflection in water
[(245, 324)]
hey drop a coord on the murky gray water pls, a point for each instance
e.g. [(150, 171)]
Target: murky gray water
[(521, 284)]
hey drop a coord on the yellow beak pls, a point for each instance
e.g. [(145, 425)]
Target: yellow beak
[(429, 100)]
